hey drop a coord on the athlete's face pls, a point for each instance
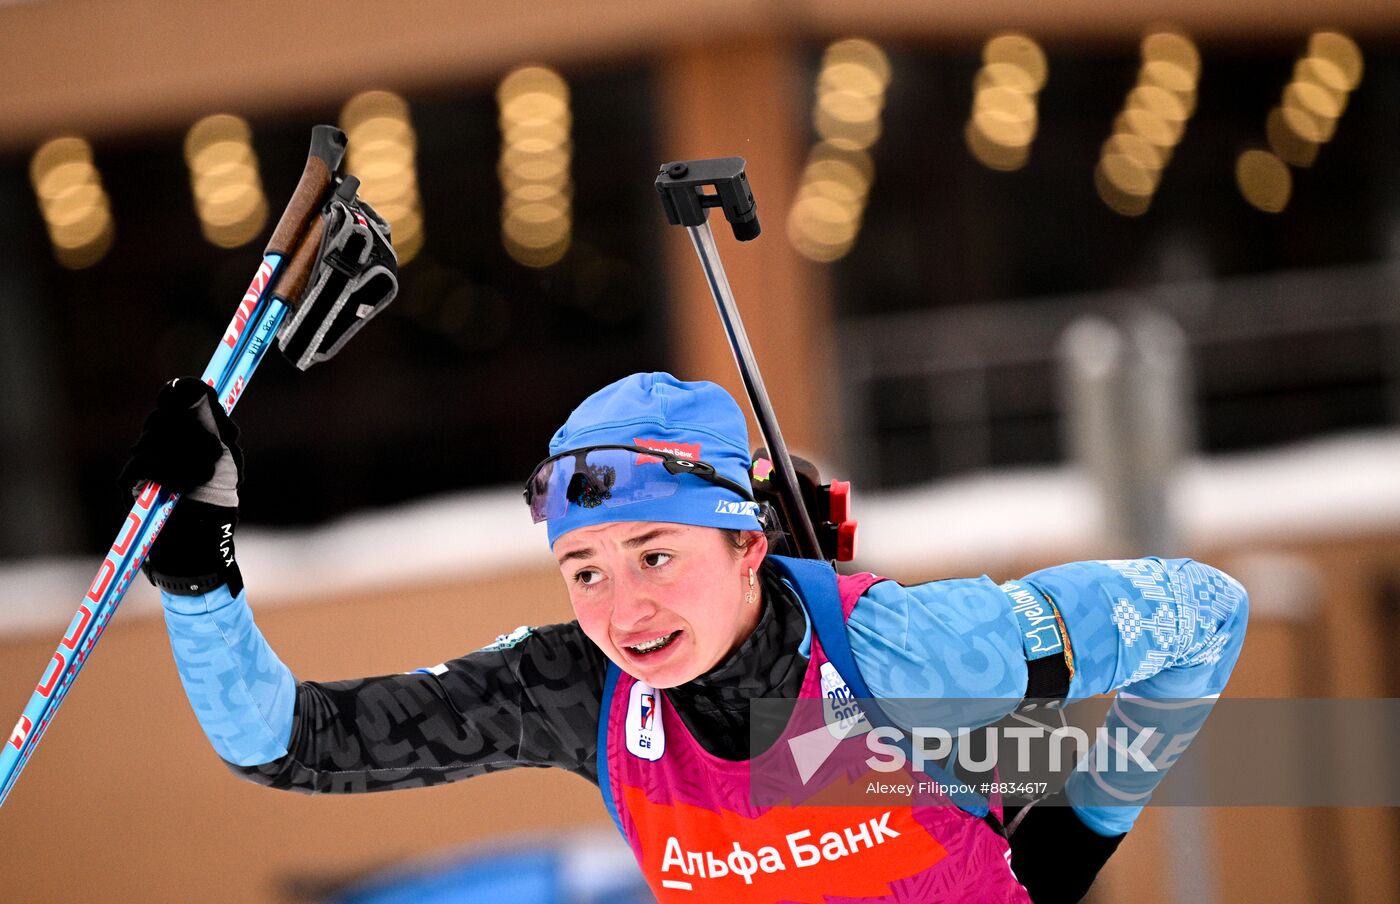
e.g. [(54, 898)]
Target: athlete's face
[(666, 602)]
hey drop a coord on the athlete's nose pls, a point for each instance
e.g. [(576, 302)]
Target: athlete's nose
[(633, 603)]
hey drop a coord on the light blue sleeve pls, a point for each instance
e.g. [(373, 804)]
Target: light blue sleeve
[(242, 694), (1166, 634), (945, 653)]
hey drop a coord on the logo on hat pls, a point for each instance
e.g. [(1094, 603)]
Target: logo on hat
[(680, 450), (737, 508)]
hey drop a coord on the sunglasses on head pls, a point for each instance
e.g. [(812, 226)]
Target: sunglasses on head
[(611, 476)]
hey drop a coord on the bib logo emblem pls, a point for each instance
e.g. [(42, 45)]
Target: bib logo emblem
[(646, 733)]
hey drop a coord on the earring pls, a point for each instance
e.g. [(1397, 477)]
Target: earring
[(748, 597)]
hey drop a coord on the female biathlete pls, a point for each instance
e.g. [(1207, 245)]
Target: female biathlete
[(682, 619)]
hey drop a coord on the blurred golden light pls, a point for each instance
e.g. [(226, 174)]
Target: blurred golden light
[(1175, 48), (54, 154), (536, 154), (535, 193), (995, 155), (826, 213), (1307, 126), (84, 253), (1305, 119), (554, 132), (1159, 101), (821, 229), (72, 200), (850, 96), (860, 52), (1168, 75), (67, 204), (852, 197), (1004, 119), (1004, 75), (1128, 174), (536, 225), (1016, 105), (1149, 126), (541, 166), (219, 129), (1322, 71), (839, 172), (1151, 156), (1315, 99), (367, 106), (854, 77), (1264, 180), (1152, 121), (64, 180), (385, 138), (826, 221), (1341, 51), (531, 80), (1004, 128), (512, 177), (381, 153), (849, 106), (75, 232), (860, 161), (1112, 171), (846, 134), (1287, 142), (534, 107), (1020, 51), (221, 156), (230, 208)]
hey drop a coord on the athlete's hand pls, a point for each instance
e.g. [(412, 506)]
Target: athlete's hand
[(189, 445)]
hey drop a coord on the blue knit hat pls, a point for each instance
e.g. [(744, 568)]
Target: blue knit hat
[(693, 419)]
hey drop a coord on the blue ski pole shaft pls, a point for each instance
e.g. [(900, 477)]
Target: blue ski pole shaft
[(124, 559), (249, 334)]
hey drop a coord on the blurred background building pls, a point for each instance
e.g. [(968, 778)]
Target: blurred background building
[(1048, 282)]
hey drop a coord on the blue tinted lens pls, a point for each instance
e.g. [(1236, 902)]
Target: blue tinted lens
[(598, 477)]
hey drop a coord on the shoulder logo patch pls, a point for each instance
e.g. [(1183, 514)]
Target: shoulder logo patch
[(506, 641)]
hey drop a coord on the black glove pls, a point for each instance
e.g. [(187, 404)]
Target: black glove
[(1054, 854), (189, 446)]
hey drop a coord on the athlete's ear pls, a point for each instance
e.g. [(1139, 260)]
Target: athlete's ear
[(755, 548)]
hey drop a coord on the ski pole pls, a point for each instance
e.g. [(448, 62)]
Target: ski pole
[(249, 334), (683, 187)]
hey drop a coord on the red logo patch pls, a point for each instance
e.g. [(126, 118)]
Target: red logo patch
[(680, 450)]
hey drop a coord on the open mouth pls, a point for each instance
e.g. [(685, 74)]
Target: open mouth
[(651, 646)]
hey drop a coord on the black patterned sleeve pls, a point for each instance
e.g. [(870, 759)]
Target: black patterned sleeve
[(523, 701)]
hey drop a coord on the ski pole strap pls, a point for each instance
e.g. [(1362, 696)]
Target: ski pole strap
[(354, 277)]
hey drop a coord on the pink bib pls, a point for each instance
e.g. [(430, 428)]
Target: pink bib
[(691, 822)]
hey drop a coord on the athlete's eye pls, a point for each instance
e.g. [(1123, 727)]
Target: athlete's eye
[(587, 577), (656, 559)]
